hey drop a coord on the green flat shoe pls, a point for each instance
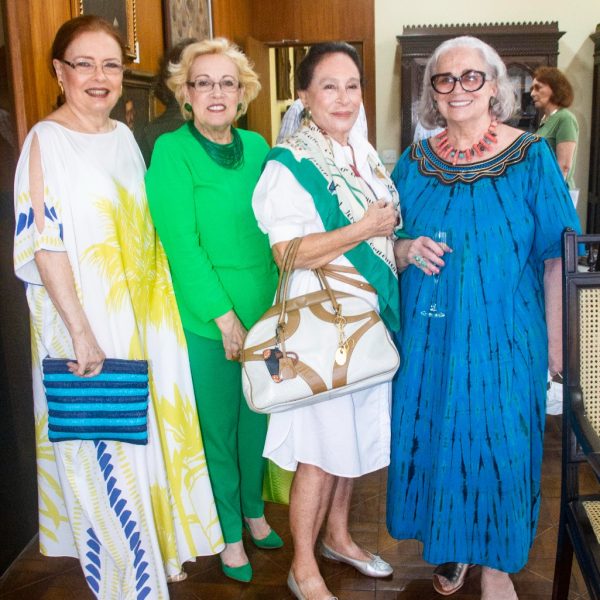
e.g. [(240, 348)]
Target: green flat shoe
[(243, 573), (270, 542)]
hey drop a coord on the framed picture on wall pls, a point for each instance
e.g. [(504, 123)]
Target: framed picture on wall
[(121, 13), (136, 105), (186, 19)]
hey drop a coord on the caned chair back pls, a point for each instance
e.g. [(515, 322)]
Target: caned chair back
[(589, 352), (579, 524)]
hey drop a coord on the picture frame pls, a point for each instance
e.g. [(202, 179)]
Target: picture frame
[(136, 106), (186, 19), (122, 13)]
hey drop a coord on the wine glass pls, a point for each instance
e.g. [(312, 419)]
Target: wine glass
[(444, 238)]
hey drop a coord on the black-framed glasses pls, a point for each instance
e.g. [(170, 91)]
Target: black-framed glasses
[(203, 85), (470, 81), (86, 67)]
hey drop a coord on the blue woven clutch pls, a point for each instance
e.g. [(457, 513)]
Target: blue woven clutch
[(110, 406)]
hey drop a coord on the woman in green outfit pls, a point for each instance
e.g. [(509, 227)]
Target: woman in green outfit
[(199, 187), (552, 94)]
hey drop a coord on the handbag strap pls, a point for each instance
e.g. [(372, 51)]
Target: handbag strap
[(337, 272), (287, 268), (284, 272)]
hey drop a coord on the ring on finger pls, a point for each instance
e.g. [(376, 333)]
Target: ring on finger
[(420, 261)]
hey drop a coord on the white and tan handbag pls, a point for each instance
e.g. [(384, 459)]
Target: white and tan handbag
[(316, 346)]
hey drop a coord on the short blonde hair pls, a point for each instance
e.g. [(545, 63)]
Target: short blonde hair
[(180, 72)]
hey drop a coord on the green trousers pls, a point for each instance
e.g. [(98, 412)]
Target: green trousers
[(233, 435)]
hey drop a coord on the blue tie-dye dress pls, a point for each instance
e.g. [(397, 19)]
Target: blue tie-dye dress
[(469, 401)]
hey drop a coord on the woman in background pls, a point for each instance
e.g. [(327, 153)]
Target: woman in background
[(171, 118), (552, 94), (200, 187), (98, 285)]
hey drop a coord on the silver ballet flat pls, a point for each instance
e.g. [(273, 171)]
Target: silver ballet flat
[(293, 585), (376, 567)]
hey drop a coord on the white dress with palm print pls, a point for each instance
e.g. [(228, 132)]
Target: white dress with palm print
[(131, 514)]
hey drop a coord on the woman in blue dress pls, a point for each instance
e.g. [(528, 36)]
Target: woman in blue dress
[(468, 406)]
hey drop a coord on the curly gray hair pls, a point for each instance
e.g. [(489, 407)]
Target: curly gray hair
[(505, 99)]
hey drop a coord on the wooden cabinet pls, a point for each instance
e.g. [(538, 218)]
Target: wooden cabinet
[(523, 47), (593, 208)]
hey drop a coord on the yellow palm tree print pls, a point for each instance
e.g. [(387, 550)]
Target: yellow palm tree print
[(132, 259)]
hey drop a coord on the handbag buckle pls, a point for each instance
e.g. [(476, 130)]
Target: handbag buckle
[(279, 333)]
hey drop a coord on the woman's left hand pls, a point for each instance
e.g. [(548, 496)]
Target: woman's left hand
[(422, 252)]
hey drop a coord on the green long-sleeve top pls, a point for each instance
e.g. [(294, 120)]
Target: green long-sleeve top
[(218, 256)]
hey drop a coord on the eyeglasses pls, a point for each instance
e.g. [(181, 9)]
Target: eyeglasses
[(85, 67), (227, 85), (470, 81)]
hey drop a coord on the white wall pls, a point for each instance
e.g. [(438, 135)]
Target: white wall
[(577, 18)]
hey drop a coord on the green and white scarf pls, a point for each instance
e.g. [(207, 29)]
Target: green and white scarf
[(341, 199)]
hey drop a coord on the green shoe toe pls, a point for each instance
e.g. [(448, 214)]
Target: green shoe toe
[(271, 542), (243, 573)]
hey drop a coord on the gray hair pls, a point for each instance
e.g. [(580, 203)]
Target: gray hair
[(505, 99)]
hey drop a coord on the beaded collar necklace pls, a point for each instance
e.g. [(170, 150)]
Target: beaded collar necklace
[(228, 156), (447, 151)]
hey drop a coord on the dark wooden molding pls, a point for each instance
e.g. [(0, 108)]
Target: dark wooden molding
[(593, 206)]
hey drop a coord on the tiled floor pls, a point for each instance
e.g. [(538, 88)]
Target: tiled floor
[(34, 577)]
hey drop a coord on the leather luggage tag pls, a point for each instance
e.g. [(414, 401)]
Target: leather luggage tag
[(286, 368), (280, 368), (271, 357)]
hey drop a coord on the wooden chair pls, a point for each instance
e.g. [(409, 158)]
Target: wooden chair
[(579, 525)]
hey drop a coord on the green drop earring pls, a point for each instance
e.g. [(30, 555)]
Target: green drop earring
[(188, 107)]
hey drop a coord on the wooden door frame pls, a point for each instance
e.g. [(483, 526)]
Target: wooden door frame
[(15, 68), (368, 64)]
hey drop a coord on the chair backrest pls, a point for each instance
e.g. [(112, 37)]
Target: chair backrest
[(579, 523), (581, 331), (589, 352)]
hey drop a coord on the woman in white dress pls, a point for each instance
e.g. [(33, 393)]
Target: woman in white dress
[(98, 286), (327, 186)]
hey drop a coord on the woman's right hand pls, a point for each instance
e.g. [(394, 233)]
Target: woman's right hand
[(233, 334), (380, 220), (89, 356)]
